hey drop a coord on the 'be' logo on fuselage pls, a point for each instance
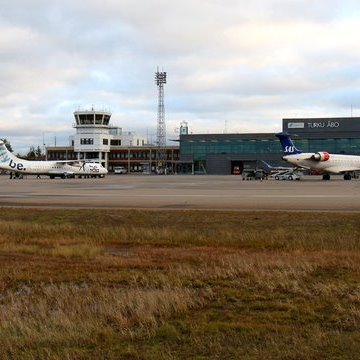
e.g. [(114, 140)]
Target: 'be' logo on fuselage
[(16, 166)]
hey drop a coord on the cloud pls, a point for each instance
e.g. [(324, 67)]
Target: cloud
[(246, 63)]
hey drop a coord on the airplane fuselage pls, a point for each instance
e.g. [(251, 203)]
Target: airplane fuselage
[(335, 163), (53, 168)]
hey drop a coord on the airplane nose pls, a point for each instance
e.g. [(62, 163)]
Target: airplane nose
[(284, 158)]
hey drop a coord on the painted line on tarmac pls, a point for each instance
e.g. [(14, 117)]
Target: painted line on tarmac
[(92, 195), (304, 196)]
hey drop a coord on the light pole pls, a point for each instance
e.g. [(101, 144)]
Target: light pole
[(160, 80), (43, 134), (44, 144)]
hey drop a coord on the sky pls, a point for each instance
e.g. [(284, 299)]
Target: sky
[(232, 66)]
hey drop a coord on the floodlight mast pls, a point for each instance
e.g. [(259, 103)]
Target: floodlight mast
[(161, 156)]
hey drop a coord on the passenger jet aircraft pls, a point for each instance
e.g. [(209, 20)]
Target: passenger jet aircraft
[(63, 169), (323, 161)]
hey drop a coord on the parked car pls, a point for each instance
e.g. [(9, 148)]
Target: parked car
[(120, 170), (287, 176)]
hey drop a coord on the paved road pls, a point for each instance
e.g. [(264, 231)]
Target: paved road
[(183, 192)]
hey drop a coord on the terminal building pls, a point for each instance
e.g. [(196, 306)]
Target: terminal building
[(234, 153), (98, 141), (224, 154)]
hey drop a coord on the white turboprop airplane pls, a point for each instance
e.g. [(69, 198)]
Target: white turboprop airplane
[(322, 161), (63, 169)]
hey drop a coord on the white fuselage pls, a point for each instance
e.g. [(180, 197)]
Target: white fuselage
[(52, 168), (11, 163), (335, 164)]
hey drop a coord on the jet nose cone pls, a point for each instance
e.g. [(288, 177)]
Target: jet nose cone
[(285, 158)]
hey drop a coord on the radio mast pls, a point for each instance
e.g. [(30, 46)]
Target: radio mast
[(161, 156)]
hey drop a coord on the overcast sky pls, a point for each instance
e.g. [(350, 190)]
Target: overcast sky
[(232, 65)]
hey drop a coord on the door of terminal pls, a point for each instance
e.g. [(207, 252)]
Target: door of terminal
[(237, 167)]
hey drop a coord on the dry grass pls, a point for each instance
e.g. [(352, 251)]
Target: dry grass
[(64, 315), (181, 284)]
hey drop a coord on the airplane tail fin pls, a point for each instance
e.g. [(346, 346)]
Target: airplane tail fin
[(287, 145), (5, 154)]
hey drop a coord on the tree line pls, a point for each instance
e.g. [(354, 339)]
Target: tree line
[(34, 153)]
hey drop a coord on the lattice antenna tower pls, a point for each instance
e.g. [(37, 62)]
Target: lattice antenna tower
[(160, 80)]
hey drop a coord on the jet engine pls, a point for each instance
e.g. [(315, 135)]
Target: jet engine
[(321, 156)]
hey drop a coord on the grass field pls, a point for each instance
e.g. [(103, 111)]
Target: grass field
[(126, 284)]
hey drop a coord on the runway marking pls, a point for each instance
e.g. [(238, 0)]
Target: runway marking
[(183, 195), (304, 196)]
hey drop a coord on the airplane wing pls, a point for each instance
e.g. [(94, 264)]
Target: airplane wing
[(301, 167), (270, 168)]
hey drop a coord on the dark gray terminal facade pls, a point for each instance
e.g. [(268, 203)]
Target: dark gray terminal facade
[(234, 153)]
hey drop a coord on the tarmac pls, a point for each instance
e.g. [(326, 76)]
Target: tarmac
[(199, 192)]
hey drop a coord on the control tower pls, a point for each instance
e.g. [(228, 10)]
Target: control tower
[(92, 138)]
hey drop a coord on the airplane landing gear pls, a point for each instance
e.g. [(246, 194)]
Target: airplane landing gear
[(326, 177), (347, 176)]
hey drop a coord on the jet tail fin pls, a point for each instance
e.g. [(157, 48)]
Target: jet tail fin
[(287, 145)]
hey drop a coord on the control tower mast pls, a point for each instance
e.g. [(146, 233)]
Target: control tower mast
[(161, 156)]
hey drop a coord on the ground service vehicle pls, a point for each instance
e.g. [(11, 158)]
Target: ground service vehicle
[(287, 176), (254, 175)]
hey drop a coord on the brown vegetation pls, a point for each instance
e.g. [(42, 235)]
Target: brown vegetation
[(179, 285)]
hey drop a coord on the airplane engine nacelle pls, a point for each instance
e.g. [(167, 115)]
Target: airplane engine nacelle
[(321, 156)]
